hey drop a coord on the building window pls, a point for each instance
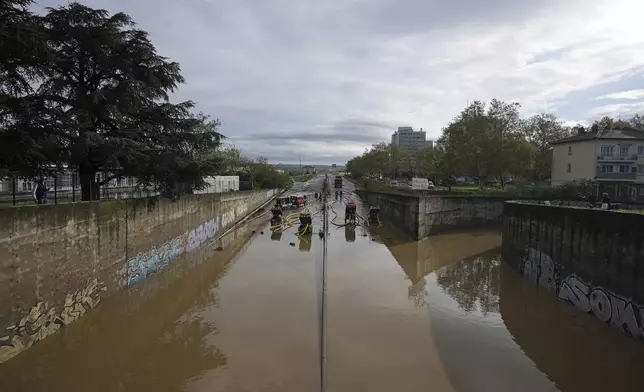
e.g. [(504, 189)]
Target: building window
[(640, 150), (607, 151), (624, 169), (640, 168), (569, 150), (606, 168), (642, 191), (623, 151), (569, 168)]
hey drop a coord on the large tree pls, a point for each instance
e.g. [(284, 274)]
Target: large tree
[(485, 141), (541, 130), (20, 48), (102, 107), (21, 54)]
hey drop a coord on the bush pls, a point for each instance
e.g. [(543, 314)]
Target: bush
[(579, 190)]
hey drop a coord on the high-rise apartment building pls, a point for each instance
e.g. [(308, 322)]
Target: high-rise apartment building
[(406, 138)]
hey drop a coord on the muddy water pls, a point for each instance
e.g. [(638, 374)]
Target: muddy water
[(442, 314)]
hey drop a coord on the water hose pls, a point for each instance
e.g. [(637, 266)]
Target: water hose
[(303, 232)]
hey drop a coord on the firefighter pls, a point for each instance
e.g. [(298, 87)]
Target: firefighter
[(373, 214), (350, 211), (277, 213)]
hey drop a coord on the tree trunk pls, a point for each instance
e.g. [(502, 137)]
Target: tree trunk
[(89, 185)]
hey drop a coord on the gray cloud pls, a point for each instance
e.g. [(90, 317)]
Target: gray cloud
[(326, 79)]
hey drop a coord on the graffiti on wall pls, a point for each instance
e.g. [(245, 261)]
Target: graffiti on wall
[(227, 218), (618, 312), (144, 264), (44, 320), (242, 209)]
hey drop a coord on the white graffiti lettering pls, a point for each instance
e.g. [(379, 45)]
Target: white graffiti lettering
[(539, 268), (600, 304), (44, 320), (227, 218), (608, 307), (242, 209), (575, 291), (146, 263)]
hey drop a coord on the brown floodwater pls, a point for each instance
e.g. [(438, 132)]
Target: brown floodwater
[(442, 314)]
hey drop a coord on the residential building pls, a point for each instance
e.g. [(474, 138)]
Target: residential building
[(612, 157), (429, 144), (406, 138)]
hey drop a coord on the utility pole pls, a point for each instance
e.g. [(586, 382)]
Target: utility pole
[(323, 315), (300, 164)]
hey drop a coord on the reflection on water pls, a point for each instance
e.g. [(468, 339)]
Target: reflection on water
[(150, 338), (498, 332), (305, 243), (474, 345), (276, 235), (350, 233), (473, 283), (577, 351), (441, 314)]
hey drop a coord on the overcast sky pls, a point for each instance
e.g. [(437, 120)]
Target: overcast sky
[(326, 79)]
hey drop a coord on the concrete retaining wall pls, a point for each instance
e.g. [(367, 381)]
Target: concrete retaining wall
[(422, 216), (593, 259), (442, 213), (401, 210), (58, 261)]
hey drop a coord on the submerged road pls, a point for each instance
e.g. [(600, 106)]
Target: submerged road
[(442, 314)]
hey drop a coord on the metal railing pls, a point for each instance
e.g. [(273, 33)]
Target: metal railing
[(616, 176), (65, 188), (629, 157)]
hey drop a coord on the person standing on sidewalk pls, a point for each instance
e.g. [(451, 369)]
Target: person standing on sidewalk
[(39, 192), (605, 201)]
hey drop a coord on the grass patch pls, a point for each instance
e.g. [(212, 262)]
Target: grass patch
[(466, 188), (303, 178), (640, 212)]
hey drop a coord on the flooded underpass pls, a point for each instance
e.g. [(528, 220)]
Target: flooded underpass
[(442, 314)]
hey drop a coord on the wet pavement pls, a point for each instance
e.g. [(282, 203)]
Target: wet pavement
[(442, 314)]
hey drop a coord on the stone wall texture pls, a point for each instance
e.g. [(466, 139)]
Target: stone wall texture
[(421, 216), (58, 261), (401, 210), (443, 213), (589, 257)]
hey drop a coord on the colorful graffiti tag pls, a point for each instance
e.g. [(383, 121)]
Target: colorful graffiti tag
[(44, 320), (610, 308), (146, 263)]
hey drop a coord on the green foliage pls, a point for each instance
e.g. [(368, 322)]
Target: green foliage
[(384, 161), (580, 190), (263, 175), (489, 142), (541, 131), (95, 98)]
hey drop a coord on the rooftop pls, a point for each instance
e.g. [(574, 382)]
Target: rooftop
[(619, 133)]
